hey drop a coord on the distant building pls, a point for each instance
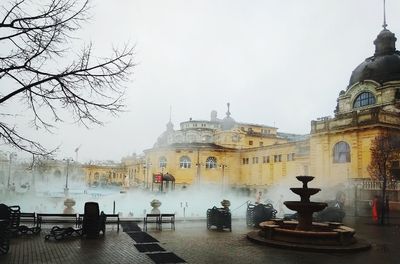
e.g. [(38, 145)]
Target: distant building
[(225, 152), (236, 154)]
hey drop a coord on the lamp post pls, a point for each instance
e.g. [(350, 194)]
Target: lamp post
[(223, 166), (147, 175), (144, 174), (11, 156), (198, 167), (66, 178)]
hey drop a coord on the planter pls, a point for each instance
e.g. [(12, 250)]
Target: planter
[(69, 203), (155, 204)]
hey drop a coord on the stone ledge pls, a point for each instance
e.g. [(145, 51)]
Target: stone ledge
[(360, 245)]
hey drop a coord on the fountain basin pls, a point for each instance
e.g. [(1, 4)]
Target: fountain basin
[(320, 234), (305, 192), (305, 207), (304, 178), (323, 237)]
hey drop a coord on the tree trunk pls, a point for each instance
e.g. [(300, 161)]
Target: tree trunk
[(382, 203)]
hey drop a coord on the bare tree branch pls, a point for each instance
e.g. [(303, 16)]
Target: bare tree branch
[(37, 36)]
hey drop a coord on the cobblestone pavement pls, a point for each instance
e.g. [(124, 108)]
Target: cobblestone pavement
[(114, 247), (195, 244)]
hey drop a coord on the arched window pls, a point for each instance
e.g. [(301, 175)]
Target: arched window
[(211, 163), (185, 162), (364, 99), (341, 152), (163, 162)]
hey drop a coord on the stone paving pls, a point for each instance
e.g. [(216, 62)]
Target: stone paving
[(114, 247), (195, 244)]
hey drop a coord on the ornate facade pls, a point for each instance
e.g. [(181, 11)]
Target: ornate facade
[(234, 154)]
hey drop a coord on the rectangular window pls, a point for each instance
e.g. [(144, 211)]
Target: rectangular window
[(396, 169), (275, 158), (279, 158), (250, 142), (255, 160)]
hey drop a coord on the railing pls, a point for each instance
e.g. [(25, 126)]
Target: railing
[(377, 185)]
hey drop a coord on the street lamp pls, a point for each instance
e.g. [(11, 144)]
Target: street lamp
[(198, 167), (148, 165), (66, 178), (144, 174), (12, 155), (223, 166), (198, 171)]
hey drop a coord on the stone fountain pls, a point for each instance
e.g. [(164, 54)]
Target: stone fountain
[(304, 207), (305, 234)]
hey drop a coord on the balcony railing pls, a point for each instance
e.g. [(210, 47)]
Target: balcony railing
[(377, 185)]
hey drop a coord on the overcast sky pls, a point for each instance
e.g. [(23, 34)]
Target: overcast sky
[(279, 63)]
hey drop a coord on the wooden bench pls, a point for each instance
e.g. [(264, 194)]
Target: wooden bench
[(57, 218), (169, 219), (28, 217), (114, 220), (152, 218)]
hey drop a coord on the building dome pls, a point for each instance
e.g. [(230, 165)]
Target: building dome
[(228, 122), (384, 66)]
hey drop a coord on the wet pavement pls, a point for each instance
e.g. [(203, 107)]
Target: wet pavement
[(192, 242)]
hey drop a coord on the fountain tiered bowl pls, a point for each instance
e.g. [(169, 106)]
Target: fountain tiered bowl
[(304, 233)]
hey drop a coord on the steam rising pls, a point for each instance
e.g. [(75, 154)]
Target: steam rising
[(48, 196)]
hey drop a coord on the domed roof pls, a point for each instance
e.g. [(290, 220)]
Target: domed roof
[(228, 122), (384, 66)]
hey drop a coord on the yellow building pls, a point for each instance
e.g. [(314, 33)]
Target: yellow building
[(224, 152), (242, 155), (234, 154), (106, 173), (340, 146)]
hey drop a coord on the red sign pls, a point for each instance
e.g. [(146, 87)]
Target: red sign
[(157, 178)]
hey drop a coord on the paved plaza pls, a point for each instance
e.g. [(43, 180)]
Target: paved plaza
[(192, 242)]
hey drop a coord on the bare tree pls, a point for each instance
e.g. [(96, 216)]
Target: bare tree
[(385, 149), (39, 68)]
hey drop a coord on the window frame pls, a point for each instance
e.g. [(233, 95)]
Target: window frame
[(185, 162), (211, 162), (363, 99), (162, 162), (341, 152)]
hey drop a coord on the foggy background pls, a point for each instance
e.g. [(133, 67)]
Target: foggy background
[(279, 63)]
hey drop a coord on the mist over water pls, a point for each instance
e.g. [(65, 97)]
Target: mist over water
[(46, 195)]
